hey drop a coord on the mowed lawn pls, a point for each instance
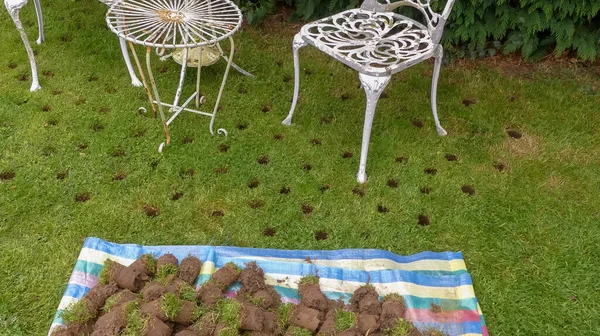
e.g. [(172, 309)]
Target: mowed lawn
[(515, 185)]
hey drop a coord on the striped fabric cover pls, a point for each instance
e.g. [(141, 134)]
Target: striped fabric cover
[(423, 279)]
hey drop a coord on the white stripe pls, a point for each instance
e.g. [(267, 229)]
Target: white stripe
[(99, 257)]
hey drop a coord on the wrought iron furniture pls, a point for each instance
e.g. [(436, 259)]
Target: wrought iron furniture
[(14, 8), (173, 24), (377, 43)]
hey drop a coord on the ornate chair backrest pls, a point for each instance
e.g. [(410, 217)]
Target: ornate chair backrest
[(435, 21)]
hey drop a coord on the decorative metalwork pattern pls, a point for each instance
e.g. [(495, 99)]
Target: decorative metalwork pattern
[(372, 42), (174, 23)]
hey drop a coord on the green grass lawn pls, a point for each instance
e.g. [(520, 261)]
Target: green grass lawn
[(530, 232)]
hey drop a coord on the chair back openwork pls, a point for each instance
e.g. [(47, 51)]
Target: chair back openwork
[(435, 22)]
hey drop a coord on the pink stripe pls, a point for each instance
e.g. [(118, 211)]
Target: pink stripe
[(484, 331), (452, 316), (83, 279)]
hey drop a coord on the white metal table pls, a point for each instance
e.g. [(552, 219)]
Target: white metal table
[(190, 25)]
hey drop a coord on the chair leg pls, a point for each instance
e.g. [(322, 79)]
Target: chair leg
[(14, 13), (40, 19), (439, 55), (373, 87), (297, 44), (134, 80)]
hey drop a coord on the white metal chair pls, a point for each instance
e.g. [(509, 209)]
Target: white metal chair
[(14, 8), (377, 43)]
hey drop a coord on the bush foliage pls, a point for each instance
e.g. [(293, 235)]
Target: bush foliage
[(478, 28)]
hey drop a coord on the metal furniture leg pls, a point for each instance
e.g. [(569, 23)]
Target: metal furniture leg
[(296, 45), (40, 19), (181, 79), (216, 108), (14, 10), (134, 80), (141, 71), (158, 101), (199, 72), (439, 55), (373, 88)]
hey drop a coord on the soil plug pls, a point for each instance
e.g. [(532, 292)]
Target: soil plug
[(206, 325), (189, 269), (284, 315), (166, 259), (109, 271), (344, 319), (186, 292), (112, 322), (310, 293), (305, 317), (365, 300), (78, 312), (154, 308), (152, 291), (118, 299), (146, 264), (74, 329), (392, 309), (402, 327), (210, 293), (367, 324), (227, 275), (433, 332), (253, 278), (266, 298), (98, 295)]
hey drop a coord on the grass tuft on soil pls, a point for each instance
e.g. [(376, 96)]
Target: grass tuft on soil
[(344, 319), (284, 314), (104, 275), (393, 297), (171, 305), (186, 292), (229, 313), (309, 279), (111, 302), (77, 312), (149, 262), (297, 331), (136, 324), (165, 273), (401, 328)]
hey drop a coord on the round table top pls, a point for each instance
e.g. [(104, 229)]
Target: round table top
[(174, 23)]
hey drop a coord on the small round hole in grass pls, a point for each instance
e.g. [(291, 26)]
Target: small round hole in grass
[(118, 152), (62, 175), (266, 108), (97, 127), (140, 132), (256, 204), (7, 175), (56, 92), (278, 137), (392, 183), (217, 213), (104, 109), (402, 159), (345, 96), (382, 209), (12, 65), (151, 211), (80, 101), (82, 197), (46, 108), (221, 170), (119, 177), (307, 167), (467, 189), (325, 187), (92, 78), (384, 95), (358, 191), (430, 171), (187, 140), (326, 120), (468, 102), (24, 77), (187, 173), (243, 90), (513, 134), (254, 183), (176, 196), (223, 148), (500, 166), (424, 220), (49, 150), (48, 73), (263, 160), (285, 190), (451, 157), (269, 232), (425, 190), (163, 69), (321, 235), (51, 122), (308, 71), (418, 123), (242, 126), (306, 208), (316, 142), (347, 155), (287, 78)]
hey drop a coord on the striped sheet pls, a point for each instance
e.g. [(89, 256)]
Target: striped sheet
[(423, 279)]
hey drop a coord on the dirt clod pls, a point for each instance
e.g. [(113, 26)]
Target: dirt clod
[(150, 211), (269, 232), (321, 235), (424, 220), (467, 189), (82, 197)]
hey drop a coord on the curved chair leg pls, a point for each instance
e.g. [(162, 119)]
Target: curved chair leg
[(297, 44), (40, 19), (134, 80), (439, 55), (373, 87), (14, 13)]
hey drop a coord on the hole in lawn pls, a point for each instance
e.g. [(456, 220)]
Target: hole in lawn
[(307, 167), (82, 197), (177, 195), (326, 120), (512, 98), (7, 175), (223, 148), (51, 122), (325, 187), (278, 137), (499, 166), (23, 77), (82, 146), (347, 155), (62, 175), (217, 213), (358, 191), (382, 209), (80, 101), (154, 164), (468, 102), (48, 150), (139, 133), (243, 90), (392, 183), (287, 78), (119, 152), (119, 177), (110, 90), (46, 108), (430, 171), (263, 160), (418, 123), (255, 204), (163, 69), (285, 190), (186, 173), (97, 127), (451, 157), (92, 78), (401, 159), (187, 140), (316, 142), (221, 170), (321, 235), (65, 38), (150, 210), (12, 65), (307, 209), (384, 95), (266, 108), (308, 71), (467, 189), (48, 73), (513, 134), (269, 232), (254, 183), (345, 96), (56, 92), (425, 190), (104, 109), (424, 220), (242, 126), (279, 63)]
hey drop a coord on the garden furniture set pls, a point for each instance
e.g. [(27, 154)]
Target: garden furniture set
[(373, 40)]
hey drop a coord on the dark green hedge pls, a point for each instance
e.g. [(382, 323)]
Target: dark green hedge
[(478, 28)]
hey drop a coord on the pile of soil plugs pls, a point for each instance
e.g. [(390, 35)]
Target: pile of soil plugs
[(158, 298)]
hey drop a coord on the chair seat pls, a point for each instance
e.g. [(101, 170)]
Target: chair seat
[(374, 43)]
